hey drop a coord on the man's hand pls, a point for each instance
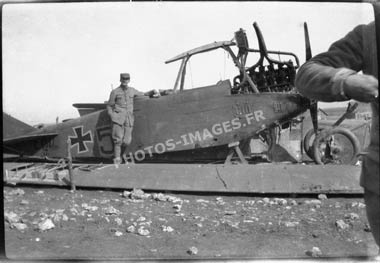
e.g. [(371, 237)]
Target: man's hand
[(363, 88)]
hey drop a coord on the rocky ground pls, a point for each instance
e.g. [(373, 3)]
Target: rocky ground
[(51, 222)]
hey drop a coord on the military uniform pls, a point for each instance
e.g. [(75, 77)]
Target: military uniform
[(120, 109), (323, 78)]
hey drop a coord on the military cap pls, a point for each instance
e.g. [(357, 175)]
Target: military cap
[(125, 76)]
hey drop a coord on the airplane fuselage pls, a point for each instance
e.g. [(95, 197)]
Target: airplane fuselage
[(192, 119)]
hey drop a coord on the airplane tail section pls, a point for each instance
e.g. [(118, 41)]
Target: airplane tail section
[(13, 127)]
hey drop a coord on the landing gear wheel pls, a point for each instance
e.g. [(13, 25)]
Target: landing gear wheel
[(308, 142), (336, 146)]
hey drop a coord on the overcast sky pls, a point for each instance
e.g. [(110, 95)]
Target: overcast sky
[(58, 54)]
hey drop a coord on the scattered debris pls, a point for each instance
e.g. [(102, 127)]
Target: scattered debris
[(351, 216), (131, 229), (17, 191), (322, 197), (361, 205), (46, 224), (177, 207), (280, 201), (19, 226), (143, 232), (65, 217), (220, 201), (126, 194), (118, 221), (315, 234), (111, 211), (11, 217), (140, 219), (192, 251), (233, 224), (24, 202), (367, 228), (159, 197), (230, 213), (167, 229), (314, 252), (341, 225), (57, 215), (313, 202), (291, 224), (250, 202), (89, 208), (118, 233), (139, 194)]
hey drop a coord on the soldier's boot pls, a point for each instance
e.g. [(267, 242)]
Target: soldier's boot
[(117, 159)]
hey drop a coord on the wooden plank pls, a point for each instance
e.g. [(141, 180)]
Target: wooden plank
[(241, 178), (260, 178)]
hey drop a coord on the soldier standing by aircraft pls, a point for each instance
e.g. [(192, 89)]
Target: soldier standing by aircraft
[(333, 76), (120, 109)]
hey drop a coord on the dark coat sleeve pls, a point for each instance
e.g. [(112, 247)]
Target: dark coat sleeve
[(323, 76)]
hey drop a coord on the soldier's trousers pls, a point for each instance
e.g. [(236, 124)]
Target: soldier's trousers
[(121, 134)]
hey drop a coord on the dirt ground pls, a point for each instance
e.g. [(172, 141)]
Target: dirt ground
[(48, 222)]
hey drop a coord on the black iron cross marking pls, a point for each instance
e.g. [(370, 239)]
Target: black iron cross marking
[(80, 139)]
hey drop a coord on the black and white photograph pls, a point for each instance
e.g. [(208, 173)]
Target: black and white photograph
[(220, 130)]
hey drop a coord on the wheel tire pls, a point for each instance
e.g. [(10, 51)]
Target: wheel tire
[(308, 142), (326, 134)]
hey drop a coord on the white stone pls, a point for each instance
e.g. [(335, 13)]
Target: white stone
[(192, 251), (351, 216), (65, 217), (143, 232), (20, 226), (111, 211), (11, 217), (314, 252), (167, 229), (46, 224), (118, 233), (126, 194), (341, 225), (177, 206), (280, 201), (131, 229), (291, 224), (118, 221)]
